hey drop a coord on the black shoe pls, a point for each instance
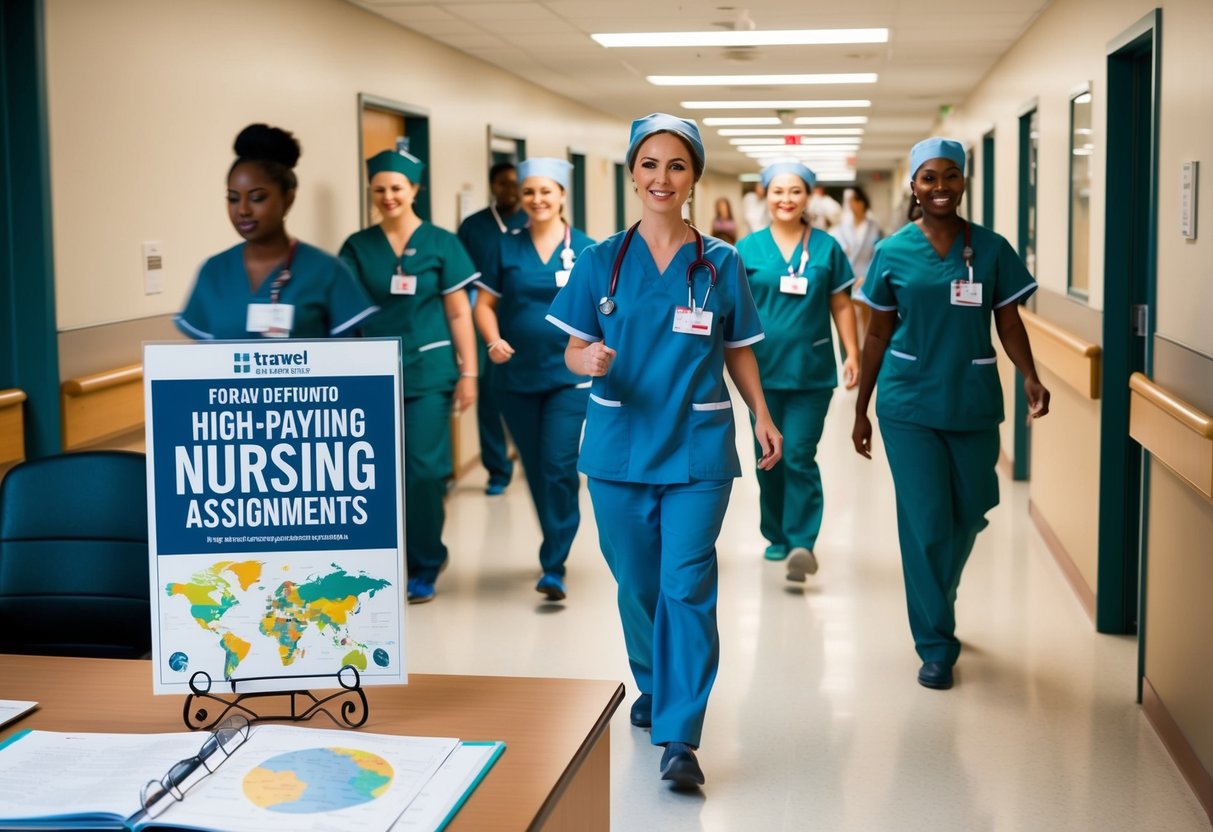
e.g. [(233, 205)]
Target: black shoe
[(678, 764), (936, 675), (642, 711)]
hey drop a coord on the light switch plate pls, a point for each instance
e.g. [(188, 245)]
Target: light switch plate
[(153, 268)]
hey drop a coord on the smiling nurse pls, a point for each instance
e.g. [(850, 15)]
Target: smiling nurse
[(654, 315), (933, 287)]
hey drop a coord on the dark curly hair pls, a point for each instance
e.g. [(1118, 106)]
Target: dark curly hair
[(274, 150)]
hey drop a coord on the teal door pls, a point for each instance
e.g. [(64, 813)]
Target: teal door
[(1029, 146)]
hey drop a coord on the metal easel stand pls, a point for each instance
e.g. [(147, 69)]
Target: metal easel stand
[(299, 705)]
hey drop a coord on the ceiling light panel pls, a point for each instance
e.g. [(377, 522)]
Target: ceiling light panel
[(761, 80), (830, 120), (756, 121), (791, 131), (788, 104), (771, 37)]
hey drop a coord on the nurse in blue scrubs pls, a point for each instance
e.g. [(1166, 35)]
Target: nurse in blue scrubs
[(270, 285), (480, 234), (542, 401), (934, 287), (655, 315), (799, 276), (417, 274)]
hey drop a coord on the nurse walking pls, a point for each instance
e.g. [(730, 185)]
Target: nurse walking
[(270, 285), (933, 287), (799, 276), (655, 314), (417, 273), (542, 400)]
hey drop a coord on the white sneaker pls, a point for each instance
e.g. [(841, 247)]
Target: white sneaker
[(801, 562)]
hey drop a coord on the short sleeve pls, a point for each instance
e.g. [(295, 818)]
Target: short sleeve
[(877, 289), (193, 320), (841, 273), (575, 309), (1013, 282), (457, 267), (348, 302), (744, 326), (490, 268)]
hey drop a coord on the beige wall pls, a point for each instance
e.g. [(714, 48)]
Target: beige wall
[(147, 96)]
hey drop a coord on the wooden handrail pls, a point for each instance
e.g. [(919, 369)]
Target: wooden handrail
[(1078, 345), (12, 426), (103, 380), (1075, 360), (11, 397), (1190, 417)]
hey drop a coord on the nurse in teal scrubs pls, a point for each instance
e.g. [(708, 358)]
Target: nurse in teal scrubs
[(655, 315), (417, 274), (799, 276), (270, 285), (542, 401), (933, 288)]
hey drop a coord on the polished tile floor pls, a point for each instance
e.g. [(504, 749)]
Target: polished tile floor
[(816, 721)]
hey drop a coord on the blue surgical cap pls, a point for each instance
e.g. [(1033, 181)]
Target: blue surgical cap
[(555, 169), (936, 148), (771, 171), (685, 128), (397, 161)]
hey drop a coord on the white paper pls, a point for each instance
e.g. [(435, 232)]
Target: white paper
[(11, 709), (446, 788)]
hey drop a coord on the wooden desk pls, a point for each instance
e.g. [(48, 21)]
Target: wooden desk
[(554, 775)]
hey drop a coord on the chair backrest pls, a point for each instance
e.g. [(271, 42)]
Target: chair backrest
[(74, 557)]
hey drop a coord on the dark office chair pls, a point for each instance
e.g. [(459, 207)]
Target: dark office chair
[(73, 556)]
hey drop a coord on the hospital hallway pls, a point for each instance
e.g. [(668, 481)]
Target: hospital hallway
[(816, 720)]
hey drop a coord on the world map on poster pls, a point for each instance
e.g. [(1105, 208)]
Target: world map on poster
[(326, 605), (315, 780)]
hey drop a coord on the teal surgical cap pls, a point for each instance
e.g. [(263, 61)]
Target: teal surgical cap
[(396, 161), (771, 171), (555, 169), (687, 129), (936, 148)]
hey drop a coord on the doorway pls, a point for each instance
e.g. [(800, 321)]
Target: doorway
[(577, 158), (987, 180), (389, 125), (1029, 148)]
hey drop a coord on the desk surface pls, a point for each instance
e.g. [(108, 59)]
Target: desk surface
[(549, 725)]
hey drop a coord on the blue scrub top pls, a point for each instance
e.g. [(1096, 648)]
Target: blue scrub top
[(328, 299), (525, 287), (662, 413), (798, 352), (480, 233), (940, 369)]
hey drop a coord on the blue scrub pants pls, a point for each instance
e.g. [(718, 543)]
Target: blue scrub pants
[(427, 465), (494, 453), (945, 483), (546, 428), (660, 543), (790, 498)]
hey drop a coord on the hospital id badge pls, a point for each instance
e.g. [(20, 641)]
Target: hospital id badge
[(966, 293), (272, 319), (791, 284), (692, 321), (404, 284), (562, 277)]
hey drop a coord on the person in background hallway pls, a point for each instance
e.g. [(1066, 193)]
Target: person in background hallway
[(480, 234), (654, 315), (754, 208), (933, 287), (724, 227), (858, 237), (542, 401), (417, 272), (270, 285), (824, 210), (799, 277)]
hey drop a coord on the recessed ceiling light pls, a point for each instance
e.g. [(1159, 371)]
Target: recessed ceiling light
[(740, 122), (830, 120), (810, 104), (761, 80), (791, 131), (769, 37)]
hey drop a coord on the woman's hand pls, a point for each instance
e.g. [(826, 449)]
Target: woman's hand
[(861, 435), (770, 440), (465, 393), (850, 371), (596, 359), (1038, 398), (500, 351)]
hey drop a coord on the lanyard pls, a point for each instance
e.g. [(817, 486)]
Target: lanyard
[(284, 275), (607, 304), (566, 251), (967, 252), (500, 222), (804, 253)]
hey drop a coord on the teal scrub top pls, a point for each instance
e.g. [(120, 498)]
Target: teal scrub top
[(440, 264), (328, 300), (940, 369), (525, 287), (481, 232), (798, 352), (662, 413)]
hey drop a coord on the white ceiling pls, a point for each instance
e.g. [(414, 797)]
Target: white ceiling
[(938, 51)]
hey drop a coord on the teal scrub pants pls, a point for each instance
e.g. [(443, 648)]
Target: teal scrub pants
[(945, 483), (494, 453), (546, 428), (660, 543), (790, 500), (427, 466)]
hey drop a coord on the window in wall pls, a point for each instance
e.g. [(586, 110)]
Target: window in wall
[(578, 195), (620, 196), (505, 147), (1081, 149), (987, 180), (1029, 146)]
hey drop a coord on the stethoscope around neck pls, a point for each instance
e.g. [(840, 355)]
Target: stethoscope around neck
[(607, 305)]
